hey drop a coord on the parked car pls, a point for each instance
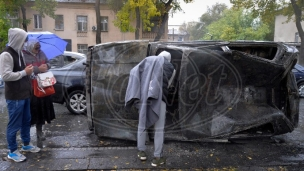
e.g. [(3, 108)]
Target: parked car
[(298, 71), (221, 90), (69, 71)]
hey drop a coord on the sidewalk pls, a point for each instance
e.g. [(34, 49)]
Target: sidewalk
[(124, 158), (70, 145)]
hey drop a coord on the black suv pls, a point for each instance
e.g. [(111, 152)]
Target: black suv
[(69, 71)]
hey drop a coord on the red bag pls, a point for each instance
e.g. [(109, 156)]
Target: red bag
[(42, 92)]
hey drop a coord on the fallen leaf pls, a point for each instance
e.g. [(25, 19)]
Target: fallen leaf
[(60, 125), (67, 144)]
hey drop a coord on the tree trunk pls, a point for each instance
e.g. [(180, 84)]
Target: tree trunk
[(298, 14), (162, 27), (164, 20), (137, 23), (23, 11), (98, 22)]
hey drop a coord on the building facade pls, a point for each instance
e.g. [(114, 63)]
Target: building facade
[(286, 32), (75, 22)]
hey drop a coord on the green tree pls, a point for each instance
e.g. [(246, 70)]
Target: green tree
[(237, 24), (197, 30), (143, 11), (9, 7), (4, 25), (138, 10), (44, 7), (292, 9), (213, 14)]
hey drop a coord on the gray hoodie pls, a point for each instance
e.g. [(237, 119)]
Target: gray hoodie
[(17, 82), (16, 38)]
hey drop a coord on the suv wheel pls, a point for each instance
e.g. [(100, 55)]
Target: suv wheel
[(301, 89), (76, 102)]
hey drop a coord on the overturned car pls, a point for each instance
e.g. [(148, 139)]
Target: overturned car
[(221, 90)]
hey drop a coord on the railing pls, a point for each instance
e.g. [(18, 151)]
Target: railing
[(150, 35)]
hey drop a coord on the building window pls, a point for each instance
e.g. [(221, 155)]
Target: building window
[(82, 48), (59, 22), (38, 21), (104, 23), (82, 23), (13, 19)]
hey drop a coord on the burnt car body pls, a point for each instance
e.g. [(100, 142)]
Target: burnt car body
[(221, 90)]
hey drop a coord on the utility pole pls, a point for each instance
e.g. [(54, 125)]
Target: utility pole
[(173, 34)]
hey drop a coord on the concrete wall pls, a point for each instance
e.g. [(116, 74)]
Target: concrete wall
[(285, 32)]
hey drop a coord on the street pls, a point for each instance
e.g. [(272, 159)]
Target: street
[(70, 145)]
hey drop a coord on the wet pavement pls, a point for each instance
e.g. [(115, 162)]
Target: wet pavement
[(70, 145)]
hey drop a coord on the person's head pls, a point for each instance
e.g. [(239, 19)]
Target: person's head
[(16, 38), (33, 45), (166, 55)]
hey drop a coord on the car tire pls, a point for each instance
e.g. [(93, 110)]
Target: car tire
[(76, 102), (301, 89)]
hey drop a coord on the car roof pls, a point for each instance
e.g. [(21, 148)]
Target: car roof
[(299, 67), (74, 54)]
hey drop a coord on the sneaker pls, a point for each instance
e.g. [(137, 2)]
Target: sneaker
[(16, 156), (142, 155), (30, 148), (158, 161)]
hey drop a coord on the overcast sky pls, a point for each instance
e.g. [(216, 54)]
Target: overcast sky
[(192, 11)]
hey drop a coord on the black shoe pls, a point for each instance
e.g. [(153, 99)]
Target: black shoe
[(142, 155), (41, 138), (158, 161)]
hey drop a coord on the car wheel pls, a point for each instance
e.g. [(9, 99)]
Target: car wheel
[(301, 89), (76, 102)]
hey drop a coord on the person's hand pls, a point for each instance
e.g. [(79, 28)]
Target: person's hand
[(43, 68), (29, 69)]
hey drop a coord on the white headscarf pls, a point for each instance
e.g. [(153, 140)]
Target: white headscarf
[(29, 46), (166, 55)]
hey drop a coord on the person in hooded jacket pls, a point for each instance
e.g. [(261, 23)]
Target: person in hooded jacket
[(18, 91), (148, 90), (42, 108)]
